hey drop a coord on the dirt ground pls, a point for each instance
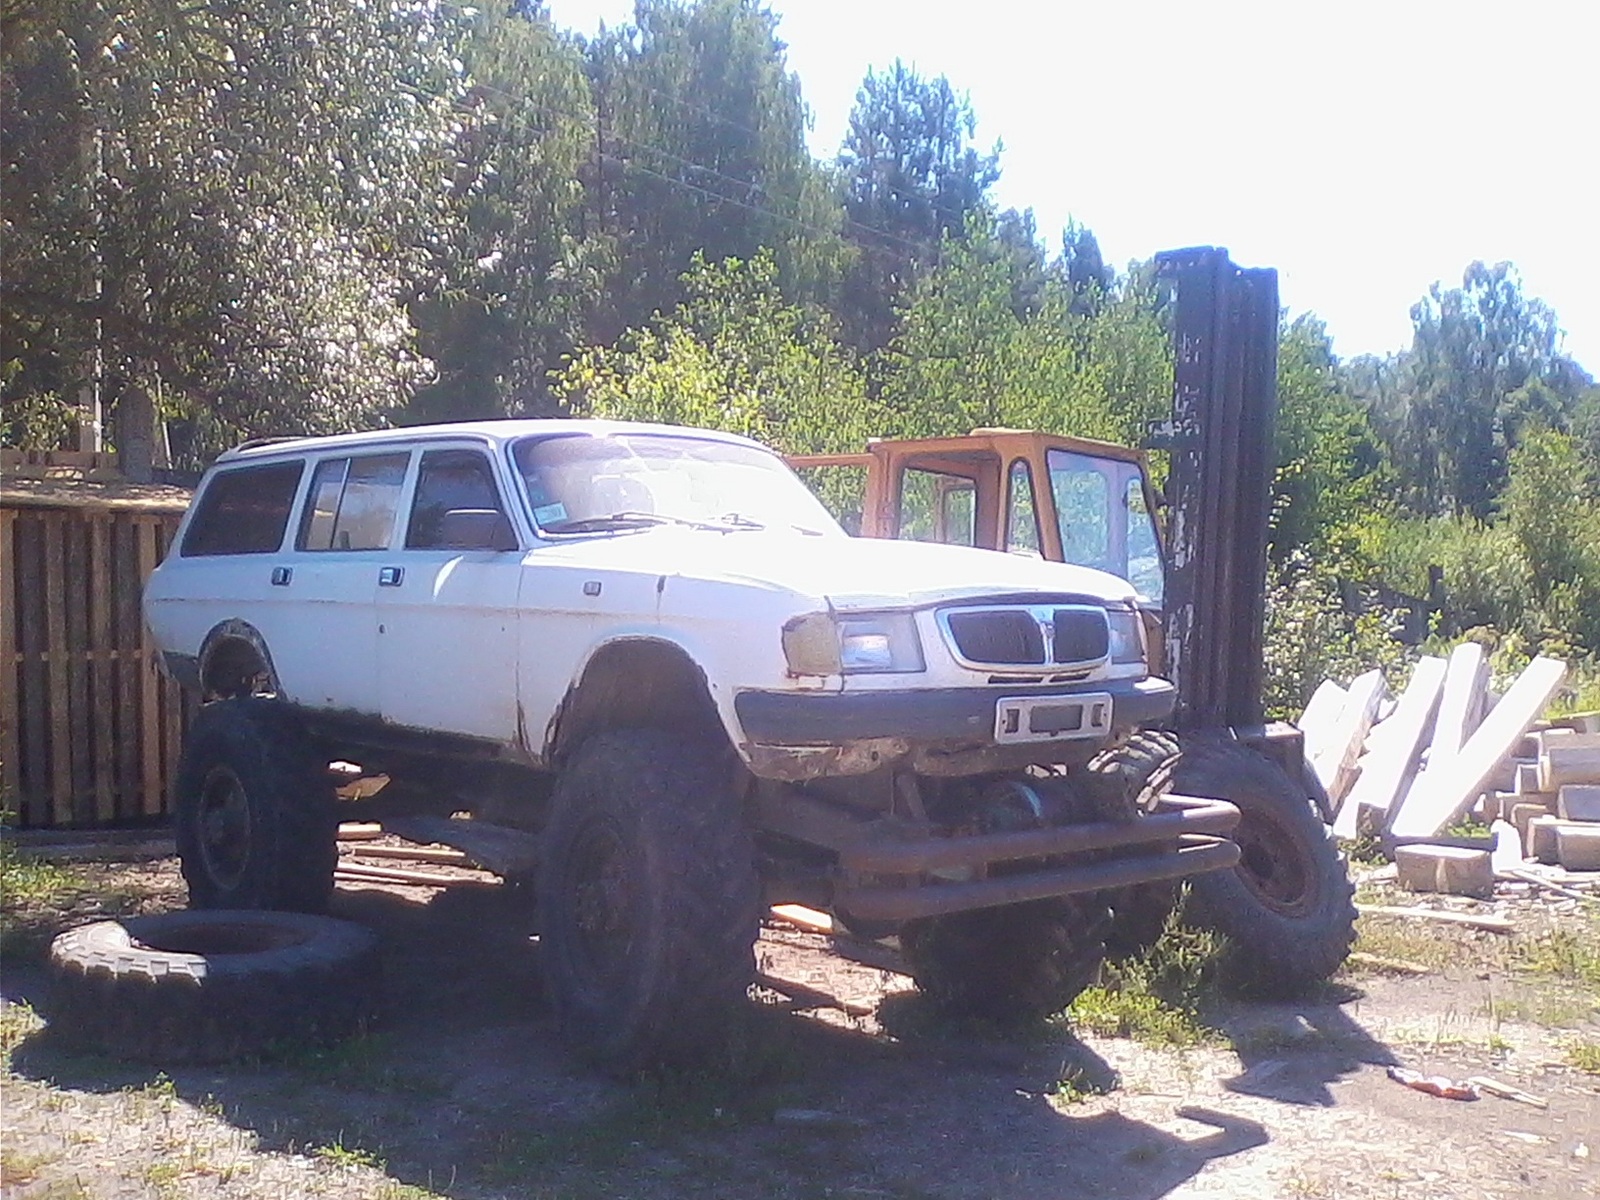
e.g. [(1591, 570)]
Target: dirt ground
[(466, 1092)]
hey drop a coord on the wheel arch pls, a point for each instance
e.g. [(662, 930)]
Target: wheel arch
[(637, 682), (233, 659)]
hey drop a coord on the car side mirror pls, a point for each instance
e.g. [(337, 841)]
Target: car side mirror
[(476, 529)]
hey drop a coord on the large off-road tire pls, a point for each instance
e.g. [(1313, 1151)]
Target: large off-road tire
[(1139, 771), (649, 901), (1014, 963), (256, 824), (1286, 909), (196, 986)]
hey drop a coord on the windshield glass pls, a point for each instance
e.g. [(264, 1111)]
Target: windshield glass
[(582, 482), (1105, 522)]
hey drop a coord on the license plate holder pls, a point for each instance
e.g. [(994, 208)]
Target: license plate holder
[(1052, 718)]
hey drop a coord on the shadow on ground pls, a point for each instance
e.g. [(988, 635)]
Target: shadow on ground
[(466, 1091)]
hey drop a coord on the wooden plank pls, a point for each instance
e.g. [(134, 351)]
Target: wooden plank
[(124, 592), (1335, 766), (149, 730), (55, 599), (33, 766), (1492, 924), (10, 666), (1563, 764), (102, 645), (75, 568), (1321, 716), (1386, 772), (1461, 707), (1448, 788)]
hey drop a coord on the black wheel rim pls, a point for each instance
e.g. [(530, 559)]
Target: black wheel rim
[(224, 828), (1274, 864), (603, 890)]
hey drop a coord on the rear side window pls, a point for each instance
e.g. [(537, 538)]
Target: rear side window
[(352, 502), (244, 511)]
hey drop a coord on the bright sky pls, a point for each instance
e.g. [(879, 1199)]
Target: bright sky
[(1364, 148)]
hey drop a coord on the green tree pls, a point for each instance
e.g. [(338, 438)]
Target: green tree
[(519, 262), (736, 355), (912, 181), (227, 203), (702, 134)]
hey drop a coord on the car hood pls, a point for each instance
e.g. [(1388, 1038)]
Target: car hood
[(846, 572)]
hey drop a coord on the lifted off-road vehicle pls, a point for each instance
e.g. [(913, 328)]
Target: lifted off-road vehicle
[(642, 668)]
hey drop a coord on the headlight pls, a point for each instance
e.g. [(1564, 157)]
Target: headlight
[(824, 644), (1127, 636), (879, 642)]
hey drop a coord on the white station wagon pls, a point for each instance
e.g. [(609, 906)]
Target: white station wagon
[(643, 666)]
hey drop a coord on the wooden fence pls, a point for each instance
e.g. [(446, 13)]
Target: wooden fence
[(89, 728)]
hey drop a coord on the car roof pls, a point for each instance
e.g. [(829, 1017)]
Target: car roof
[(497, 433)]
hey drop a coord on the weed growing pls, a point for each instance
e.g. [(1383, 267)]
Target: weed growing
[(1156, 999), (1585, 1055)]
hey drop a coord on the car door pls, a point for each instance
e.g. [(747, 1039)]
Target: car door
[(329, 659), (447, 602)]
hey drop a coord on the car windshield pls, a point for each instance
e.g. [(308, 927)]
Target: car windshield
[(583, 482)]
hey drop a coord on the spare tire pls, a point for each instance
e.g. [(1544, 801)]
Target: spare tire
[(209, 986)]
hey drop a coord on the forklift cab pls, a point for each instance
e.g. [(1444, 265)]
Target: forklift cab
[(1062, 498)]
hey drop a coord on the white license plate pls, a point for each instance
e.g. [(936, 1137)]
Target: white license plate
[(1052, 718)]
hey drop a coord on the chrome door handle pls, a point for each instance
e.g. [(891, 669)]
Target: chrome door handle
[(390, 576), (281, 576)]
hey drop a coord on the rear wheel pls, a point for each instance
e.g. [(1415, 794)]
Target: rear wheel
[(1017, 962), (1286, 908), (255, 823), (649, 901)]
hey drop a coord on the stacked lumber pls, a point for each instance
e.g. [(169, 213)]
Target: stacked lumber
[(1405, 769)]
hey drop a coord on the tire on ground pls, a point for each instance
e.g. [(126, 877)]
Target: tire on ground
[(1142, 768), (200, 987), (649, 901), (1286, 909), (255, 822), (1014, 963)]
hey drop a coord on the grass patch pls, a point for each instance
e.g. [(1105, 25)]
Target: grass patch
[(348, 1157), (1585, 1055), (1156, 999), (17, 1021), (1567, 954)]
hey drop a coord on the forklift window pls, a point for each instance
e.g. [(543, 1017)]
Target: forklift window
[(1022, 512), (1083, 504), (1144, 552), (938, 507)]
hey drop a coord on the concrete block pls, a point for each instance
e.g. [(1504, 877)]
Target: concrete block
[(1504, 776), (1527, 747), (1444, 869), (1579, 802), (1524, 811), (1568, 763), (1579, 847), (1528, 777), (1541, 840)]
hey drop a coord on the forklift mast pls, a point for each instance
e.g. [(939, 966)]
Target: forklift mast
[(1220, 437)]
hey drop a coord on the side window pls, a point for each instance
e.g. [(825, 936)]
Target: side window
[(1022, 512), (352, 502), (1144, 551), (1083, 486), (937, 507), (458, 482), (244, 511)]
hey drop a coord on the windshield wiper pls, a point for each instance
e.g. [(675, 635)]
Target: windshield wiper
[(616, 520)]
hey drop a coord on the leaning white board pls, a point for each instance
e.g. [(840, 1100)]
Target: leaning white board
[(1448, 788), (1335, 764), (1391, 757)]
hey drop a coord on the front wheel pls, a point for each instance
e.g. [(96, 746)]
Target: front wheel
[(649, 901), (1286, 909)]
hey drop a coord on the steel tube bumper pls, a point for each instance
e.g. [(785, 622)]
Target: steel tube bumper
[(933, 900), (1179, 816)]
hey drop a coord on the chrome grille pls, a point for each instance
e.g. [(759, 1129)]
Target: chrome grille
[(1008, 636)]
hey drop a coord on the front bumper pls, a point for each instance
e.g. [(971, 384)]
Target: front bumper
[(928, 715)]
